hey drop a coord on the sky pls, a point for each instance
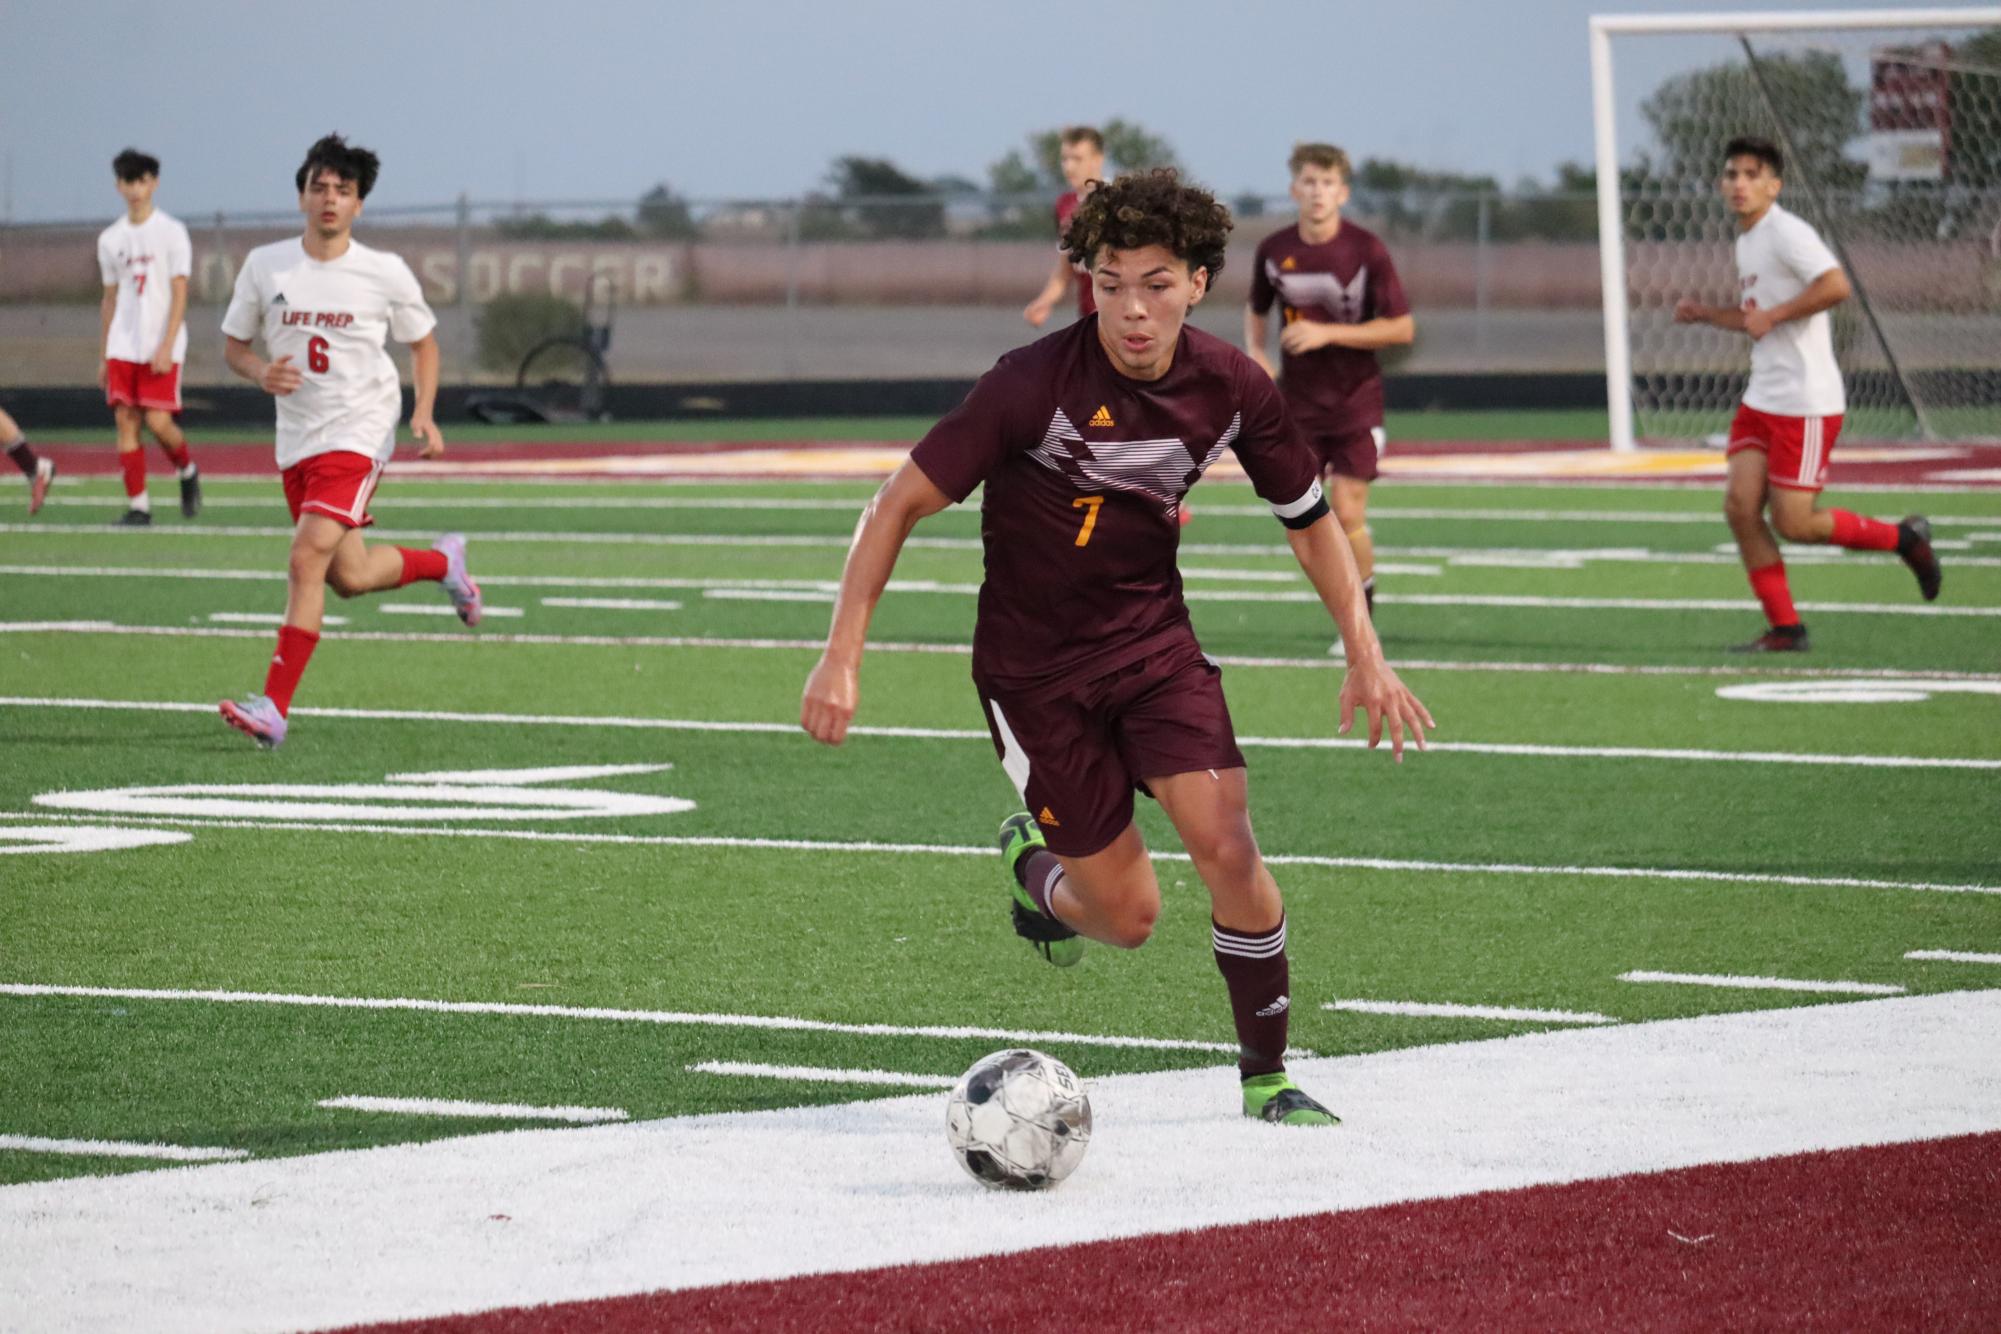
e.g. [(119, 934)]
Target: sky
[(601, 99)]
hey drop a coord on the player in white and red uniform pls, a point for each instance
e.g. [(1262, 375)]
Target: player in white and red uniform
[(324, 304), (1784, 432), (144, 259)]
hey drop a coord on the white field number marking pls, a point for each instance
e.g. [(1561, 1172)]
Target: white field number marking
[(1878, 690), (473, 794), (23, 839)]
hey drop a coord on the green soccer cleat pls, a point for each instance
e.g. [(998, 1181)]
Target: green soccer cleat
[(1275, 1098), (1020, 835)]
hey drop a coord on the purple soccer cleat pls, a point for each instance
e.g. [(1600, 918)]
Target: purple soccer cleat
[(257, 718), (459, 586)]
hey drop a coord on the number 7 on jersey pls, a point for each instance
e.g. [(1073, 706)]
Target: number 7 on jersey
[(1090, 505)]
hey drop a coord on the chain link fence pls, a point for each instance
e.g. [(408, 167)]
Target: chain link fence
[(823, 288)]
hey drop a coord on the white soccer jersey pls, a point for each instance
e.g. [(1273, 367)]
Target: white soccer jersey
[(141, 260), (332, 320), (1793, 373)]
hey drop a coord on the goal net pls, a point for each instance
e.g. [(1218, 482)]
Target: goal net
[(1890, 125)]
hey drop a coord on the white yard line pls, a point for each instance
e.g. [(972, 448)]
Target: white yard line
[(1443, 1010), (440, 609), (263, 618), (822, 1075), (1529, 750), (408, 1232), (455, 1107), (600, 1013), (1953, 956), (1732, 982), (613, 604), (1398, 865), (119, 1148)]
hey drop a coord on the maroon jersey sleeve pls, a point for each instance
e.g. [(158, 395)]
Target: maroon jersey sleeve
[(975, 438), (1284, 470), (1262, 291), (1386, 298)]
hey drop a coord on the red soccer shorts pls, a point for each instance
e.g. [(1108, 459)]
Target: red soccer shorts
[(1796, 449), (1077, 757), (135, 384), (1356, 454), (337, 485)]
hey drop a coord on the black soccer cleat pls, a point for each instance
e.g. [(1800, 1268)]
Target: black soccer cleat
[(191, 493), (1914, 547), (135, 518), (1778, 639)]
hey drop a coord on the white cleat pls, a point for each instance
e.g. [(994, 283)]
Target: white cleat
[(459, 586), (257, 718)]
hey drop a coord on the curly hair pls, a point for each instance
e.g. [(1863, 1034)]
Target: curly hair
[(1144, 208), (350, 162)]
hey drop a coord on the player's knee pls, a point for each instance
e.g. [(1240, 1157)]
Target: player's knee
[(1794, 526), (1132, 925), (1740, 510), (342, 586), (159, 422), (1228, 854)]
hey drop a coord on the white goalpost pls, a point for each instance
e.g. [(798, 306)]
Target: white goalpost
[(1889, 121)]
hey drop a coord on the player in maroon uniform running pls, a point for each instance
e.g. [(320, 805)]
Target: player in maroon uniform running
[(1083, 163), (1086, 664), (1341, 299)]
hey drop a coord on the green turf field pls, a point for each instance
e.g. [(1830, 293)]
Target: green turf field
[(1569, 638)]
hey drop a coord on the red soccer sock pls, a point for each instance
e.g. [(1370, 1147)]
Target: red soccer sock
[(1769, 583), (288, 664), (422, 565), (132, 463), (1861, 533), (176, 454)]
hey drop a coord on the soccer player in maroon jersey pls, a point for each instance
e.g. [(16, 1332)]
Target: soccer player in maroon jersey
[(1087, 667), (1083, 163), (1340, 299)]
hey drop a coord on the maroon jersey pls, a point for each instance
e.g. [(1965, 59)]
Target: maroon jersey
[(1085, 470), (1348, 280), (1066, 207)]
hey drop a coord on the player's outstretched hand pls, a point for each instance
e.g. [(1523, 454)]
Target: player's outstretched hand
[(1302, 336), (1375, 689), (828, 706), (1037, 312), (430, 440), (280, 377), (1688, 311)]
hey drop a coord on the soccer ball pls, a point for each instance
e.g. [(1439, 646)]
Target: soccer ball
[(1018, 1120)]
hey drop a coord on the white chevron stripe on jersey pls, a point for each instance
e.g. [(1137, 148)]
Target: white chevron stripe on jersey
[(1326, 291), (1223, 442), (1051, 453), (1157, 468)]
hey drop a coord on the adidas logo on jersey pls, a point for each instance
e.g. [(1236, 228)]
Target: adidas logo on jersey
[(1102, 417), (279, 300), (1288, 263), (1048, 817)]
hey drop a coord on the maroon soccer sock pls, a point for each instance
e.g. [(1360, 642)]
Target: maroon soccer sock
[(1862, 533), (1254, 969), (1040, 872), (24, 458), (288, 664), (422, 565), (176, 454), (132, 463), (1769, 583)]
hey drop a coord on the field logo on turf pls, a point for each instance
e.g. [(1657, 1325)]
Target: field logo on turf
[(1873, 690), (464, 794)]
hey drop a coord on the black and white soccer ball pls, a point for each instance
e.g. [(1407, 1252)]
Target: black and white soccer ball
[(1019, 1120)]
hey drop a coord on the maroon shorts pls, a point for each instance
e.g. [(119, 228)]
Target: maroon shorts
[(337, 485), (1796, 449), (1356, 454), (135, 384), (1076, 758)]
